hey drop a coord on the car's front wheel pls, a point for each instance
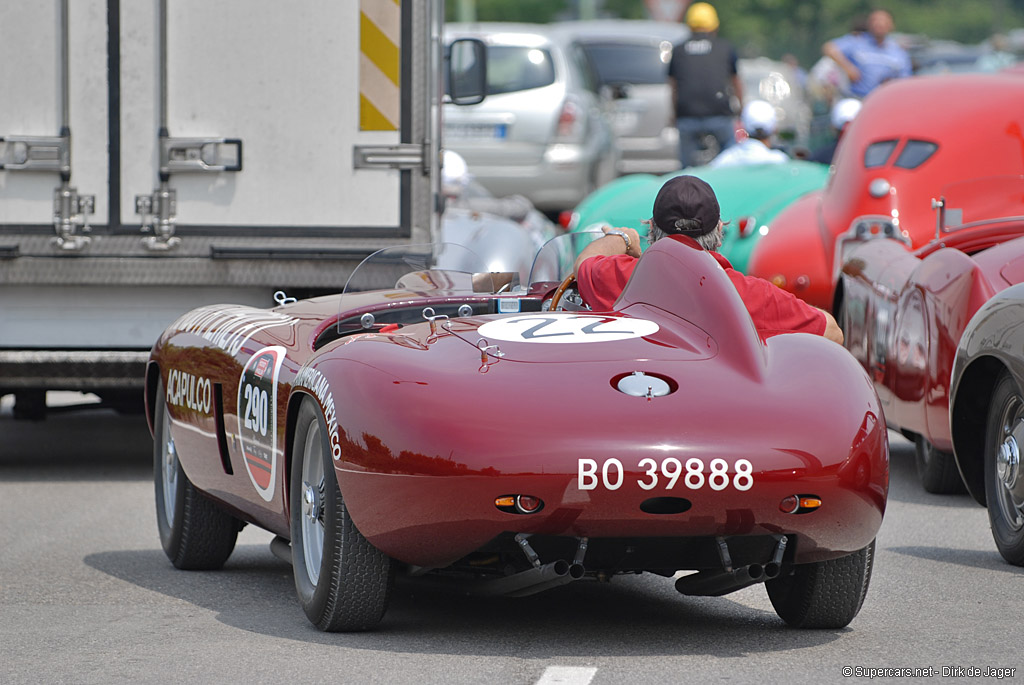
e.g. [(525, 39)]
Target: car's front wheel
[(1004, 482), (342, 581), (937, 469), (195, 533), (824, 594)]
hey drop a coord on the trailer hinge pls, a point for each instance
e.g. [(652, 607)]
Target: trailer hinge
[(181, 155), (53, 153), (158, 212), (71, 218), (404, 156)]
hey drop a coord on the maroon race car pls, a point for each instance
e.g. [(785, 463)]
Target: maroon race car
[(501, 438), (904, 312)]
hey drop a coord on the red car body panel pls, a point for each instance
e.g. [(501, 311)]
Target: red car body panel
[(975, 120), (904, 314), (429, 424)]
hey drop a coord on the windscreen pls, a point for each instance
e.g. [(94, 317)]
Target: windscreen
[(628, 63), (512, 68)]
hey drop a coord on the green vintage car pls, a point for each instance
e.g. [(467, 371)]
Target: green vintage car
[(750, 196)]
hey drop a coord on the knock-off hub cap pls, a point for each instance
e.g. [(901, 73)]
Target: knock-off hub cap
[(310, 503), (1008, 461)]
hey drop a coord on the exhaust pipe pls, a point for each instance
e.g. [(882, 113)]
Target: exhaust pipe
[(717, 583), (525, 582), (575, 572)]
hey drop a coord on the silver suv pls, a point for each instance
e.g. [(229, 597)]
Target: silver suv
[(543, 130), (631, 60)]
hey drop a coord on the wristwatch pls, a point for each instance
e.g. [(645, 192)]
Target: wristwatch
[(621, 234)]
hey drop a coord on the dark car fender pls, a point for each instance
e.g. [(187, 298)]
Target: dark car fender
[(991, 343)]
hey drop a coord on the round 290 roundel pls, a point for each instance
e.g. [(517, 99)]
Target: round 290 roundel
[(257, 418), (561, 327)]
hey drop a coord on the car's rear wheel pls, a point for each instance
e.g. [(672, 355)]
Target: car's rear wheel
[(1004, 482), (937, 469), (342, 581), (195, 533), (825, 594)]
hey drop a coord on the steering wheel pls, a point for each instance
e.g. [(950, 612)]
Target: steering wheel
[(569, 281)]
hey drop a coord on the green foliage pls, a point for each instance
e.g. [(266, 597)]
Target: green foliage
[(539, 11), (776, 27)]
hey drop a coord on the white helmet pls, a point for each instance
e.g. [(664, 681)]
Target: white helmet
[(759, 119), (454, 174), (844, 111)]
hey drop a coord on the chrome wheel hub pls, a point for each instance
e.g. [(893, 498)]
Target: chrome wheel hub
[(310, 503), (1009, 481), (170, 474), (1008, 462)]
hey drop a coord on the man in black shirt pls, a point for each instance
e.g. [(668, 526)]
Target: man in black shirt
[(702, 76)]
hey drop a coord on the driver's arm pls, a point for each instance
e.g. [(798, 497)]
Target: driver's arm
[(610, 245), (832, 330)]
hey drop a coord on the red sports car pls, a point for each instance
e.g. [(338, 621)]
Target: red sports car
[(912, 137), (904, 312), (501, 438)]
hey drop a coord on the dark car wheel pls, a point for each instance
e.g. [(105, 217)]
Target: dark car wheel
[(343, 582), (1004, 482), (825, 594), (937, 469), (195, 533)]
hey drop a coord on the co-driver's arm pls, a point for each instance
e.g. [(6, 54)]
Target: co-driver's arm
[(610, 245)]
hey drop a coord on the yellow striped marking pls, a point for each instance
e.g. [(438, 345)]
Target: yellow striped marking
[(380, 27)]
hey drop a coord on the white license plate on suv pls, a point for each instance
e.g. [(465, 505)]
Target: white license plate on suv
[(465, 130)]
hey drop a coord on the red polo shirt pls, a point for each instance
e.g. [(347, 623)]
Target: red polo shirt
[(774, 310)]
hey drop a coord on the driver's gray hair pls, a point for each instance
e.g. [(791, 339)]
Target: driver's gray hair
[(709, 241)]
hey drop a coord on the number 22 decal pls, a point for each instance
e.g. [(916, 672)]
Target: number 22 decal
[(567, 328), (589, 329)]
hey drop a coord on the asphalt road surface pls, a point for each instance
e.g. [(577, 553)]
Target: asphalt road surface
[(87, 596)]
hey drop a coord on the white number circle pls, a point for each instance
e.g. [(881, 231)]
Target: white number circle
[(552, 327)]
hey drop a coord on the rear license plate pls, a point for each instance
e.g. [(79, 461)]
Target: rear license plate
[(489, 131)]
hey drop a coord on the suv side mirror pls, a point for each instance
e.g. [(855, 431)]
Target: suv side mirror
[(466, 71)]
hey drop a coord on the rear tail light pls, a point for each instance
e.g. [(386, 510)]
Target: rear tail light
[(799, 504), (519, 504), (570, 119), (746, 225)]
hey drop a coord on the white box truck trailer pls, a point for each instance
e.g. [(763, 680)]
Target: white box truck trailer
[(159, 155)]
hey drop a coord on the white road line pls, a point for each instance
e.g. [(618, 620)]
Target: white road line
[(567, 675)]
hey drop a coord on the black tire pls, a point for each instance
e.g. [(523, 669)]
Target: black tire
[(937, 469), (825, 594), (195, 533), (342, 581), (1004, 492)]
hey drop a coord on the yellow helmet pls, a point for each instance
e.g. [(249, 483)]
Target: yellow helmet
[(702, 17)]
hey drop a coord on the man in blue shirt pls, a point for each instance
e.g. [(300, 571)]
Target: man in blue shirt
[(869, 59)]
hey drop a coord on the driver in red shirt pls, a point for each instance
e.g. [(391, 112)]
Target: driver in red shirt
[(687, 210)]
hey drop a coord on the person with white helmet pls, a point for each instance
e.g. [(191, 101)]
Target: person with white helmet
[(760, 122), (458, 189), (843, 112)]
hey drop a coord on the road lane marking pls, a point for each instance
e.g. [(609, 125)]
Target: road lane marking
[(567, 675)]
